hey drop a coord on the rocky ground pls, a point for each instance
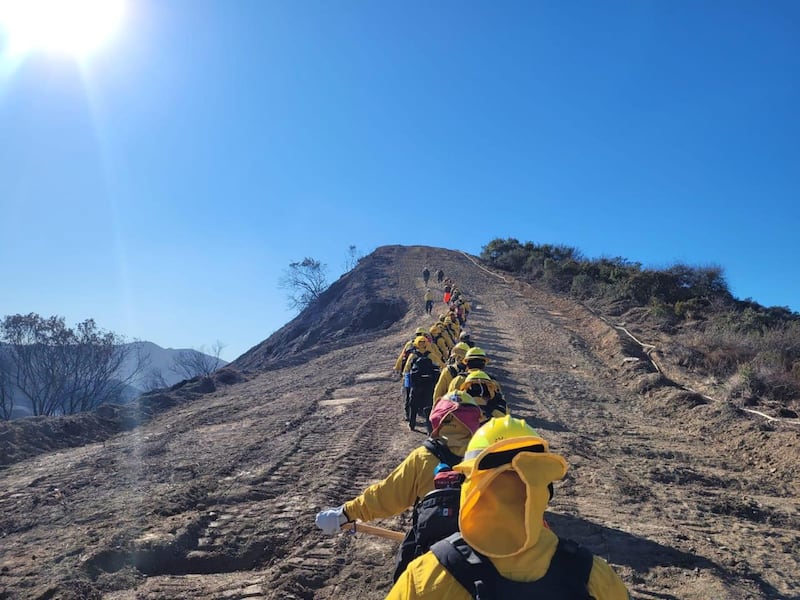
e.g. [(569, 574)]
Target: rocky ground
[(209, 490)]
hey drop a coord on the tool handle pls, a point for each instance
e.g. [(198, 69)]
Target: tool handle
[(358, 526)]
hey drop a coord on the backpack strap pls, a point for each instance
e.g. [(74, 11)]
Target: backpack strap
[(496, 403), (442, 452), (572, 565), (474, 572), (568, 574)]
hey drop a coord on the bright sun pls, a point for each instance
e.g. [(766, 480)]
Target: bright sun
[(72, 27)]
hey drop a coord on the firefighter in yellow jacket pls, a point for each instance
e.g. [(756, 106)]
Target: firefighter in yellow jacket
[(454, 366), (433, 349), (475, 360), (440, 340), (454, 422), (428, 301), (509, 473), (486, 392), (407, 349)]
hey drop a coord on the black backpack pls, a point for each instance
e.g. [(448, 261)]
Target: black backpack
[(435, 515), (566, 578), (424, 372), (454, 371)]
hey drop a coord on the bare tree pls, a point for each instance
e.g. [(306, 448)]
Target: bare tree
[(154, 380), (304, 281), (353, 256), (191, 363), (6, 395), (64, 371)]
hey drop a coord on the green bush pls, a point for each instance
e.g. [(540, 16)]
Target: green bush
[(740, 340)]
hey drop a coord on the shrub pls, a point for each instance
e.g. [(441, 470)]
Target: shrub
[(757, 347)]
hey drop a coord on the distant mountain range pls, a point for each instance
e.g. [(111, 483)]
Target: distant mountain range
[(161, 361), (158, 372)]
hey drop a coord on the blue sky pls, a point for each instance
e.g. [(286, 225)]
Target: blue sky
[(162, 184)]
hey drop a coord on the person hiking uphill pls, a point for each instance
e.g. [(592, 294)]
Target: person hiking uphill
[(447, 293), (455, 365), (503, 550), (441, 340), (449, 331), (452, 427), (475, 360), (439, 276), (486, 392), (466, 338), (428, 301), (420, 375), (426, 275), (397, 369)]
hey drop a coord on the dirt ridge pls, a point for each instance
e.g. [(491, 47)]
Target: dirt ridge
[(213, 494)]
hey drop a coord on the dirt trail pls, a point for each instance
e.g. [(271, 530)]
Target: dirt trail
[(216, 498)]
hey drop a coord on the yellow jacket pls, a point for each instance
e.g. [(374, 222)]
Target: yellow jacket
[(501, 516), (441, 343), (449, 338), (455, 328), (411, 479), (400, 362), (454, 331), (455, 383), (425, 578), (443, 384), (434, 353)]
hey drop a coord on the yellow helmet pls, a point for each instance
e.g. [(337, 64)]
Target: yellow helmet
[(498, 441), (476, 352), (461, 398), (479, 385), (509, 470), (477, 376), (421, 331), (460, 350), (421, 343)]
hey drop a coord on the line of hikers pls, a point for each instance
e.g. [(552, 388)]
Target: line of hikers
[(428, 375), (479, 486), (452, 297)]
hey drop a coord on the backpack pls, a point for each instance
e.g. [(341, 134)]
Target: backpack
[(566, 578), (497, 403), (435, 515), (424, 372), (407, 350)]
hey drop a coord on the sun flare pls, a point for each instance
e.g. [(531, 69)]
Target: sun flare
[(68, 27)]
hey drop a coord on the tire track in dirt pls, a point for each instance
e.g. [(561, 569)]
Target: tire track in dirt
[(352, 462), (268, 509)]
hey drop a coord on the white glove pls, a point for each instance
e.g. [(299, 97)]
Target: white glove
[(331, 520)]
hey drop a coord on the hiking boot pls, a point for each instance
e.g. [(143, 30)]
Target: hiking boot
[(412, 425)]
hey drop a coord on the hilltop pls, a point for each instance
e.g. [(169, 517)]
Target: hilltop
[(209, 489)]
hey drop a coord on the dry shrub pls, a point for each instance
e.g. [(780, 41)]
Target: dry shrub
[(650, 382), (721, 351)]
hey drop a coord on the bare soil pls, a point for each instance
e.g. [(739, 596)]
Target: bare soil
[(209, 490)]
